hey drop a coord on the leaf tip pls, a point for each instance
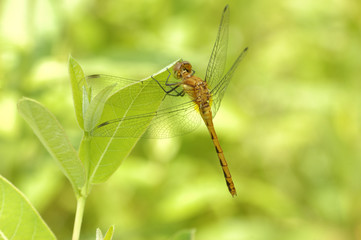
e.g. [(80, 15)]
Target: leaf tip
[(22, 101), (70, 58)]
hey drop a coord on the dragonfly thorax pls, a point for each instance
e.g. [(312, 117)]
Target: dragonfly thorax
[(197, 90)]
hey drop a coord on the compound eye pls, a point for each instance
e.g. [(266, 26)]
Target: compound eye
[(188, 67), (178, 68)]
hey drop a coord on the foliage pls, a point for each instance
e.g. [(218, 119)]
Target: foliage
[(289, 124), (53, 137), (18, 219), (94, 152), (108, 235)]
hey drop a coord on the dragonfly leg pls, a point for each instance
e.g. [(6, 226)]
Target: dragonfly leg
[(166, 81), (172, 89), (181, 93)]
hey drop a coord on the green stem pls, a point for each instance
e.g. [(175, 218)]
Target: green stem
[(82, 196), (79, 216)]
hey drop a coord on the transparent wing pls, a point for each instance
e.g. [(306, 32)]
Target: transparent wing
[(217, 61), (218, 91), (137, 106), (98, 82), (130, 88), (163, 123)]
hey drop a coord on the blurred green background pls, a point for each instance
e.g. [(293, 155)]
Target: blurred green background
[(290, 122)]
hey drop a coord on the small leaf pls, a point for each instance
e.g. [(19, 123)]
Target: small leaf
[(95, 108), (109, 234), (77, 82), (85, 101), (18, 218), (99, 235), (53, 137)]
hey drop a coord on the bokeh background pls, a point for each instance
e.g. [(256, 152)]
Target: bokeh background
[(290, 122)]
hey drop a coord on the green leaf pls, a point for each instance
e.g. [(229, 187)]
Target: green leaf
[(85, 101), (77, 83), (188, 234), (18, 218), (108, 235), (95, 108), (99, 235), (107, 153), (55, 140)]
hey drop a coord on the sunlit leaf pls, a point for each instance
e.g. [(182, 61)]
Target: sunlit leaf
[(85, 102), (108, 235), (99, 234), (18, 218), (76, 79), (95, 108), (54, 138)]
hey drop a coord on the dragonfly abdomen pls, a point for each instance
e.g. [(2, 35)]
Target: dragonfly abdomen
[(207, 118)]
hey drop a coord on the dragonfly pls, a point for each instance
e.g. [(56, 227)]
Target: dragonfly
[(186, 100)]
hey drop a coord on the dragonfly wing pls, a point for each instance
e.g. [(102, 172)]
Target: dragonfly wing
[(159, 124), (145, 105), (218, 57), (218, 91), (174, 121), (98, 82)]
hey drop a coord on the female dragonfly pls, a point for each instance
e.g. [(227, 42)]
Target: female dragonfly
[(186, 100)]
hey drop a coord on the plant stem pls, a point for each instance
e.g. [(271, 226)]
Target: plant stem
[(79, 216), (81, 196)]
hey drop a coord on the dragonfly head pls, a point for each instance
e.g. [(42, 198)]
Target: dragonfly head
[(182, 69)]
